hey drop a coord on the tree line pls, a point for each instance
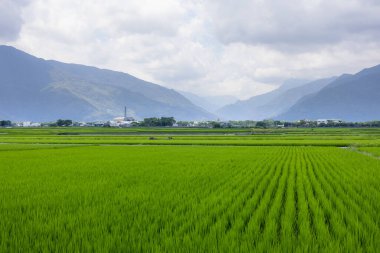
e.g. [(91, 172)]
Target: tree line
[(157, 122)]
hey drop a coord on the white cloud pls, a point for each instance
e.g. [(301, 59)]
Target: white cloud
[(241, 48)]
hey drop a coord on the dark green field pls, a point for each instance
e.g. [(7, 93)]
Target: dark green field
[(189, 190)]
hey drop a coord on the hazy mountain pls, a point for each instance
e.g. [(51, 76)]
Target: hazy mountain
[(209, 103), (290, 97), (350, 97), (40, 90), (259, 107)]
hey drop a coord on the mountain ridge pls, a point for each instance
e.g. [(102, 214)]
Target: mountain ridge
[(349, 97), (36, 89), (272, 103)]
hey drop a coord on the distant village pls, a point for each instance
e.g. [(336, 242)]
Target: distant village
[(127, 122)]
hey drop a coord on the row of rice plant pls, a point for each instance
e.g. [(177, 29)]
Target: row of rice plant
[(189, 199)]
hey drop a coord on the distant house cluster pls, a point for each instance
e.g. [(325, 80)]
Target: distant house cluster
[(122, 122), (27, 124), (329, 121)]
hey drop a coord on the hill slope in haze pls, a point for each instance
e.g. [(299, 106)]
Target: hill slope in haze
[(35, 89), (289, 97), (350, 97), (270, 104), (209, 103)]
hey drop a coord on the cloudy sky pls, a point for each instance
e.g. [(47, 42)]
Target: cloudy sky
[(215, 47)]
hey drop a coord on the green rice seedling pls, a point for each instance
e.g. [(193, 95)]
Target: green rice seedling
[(198, 198)]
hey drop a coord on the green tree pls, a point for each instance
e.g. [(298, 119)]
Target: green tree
[(64, 122), (5, 123), (167, 121)]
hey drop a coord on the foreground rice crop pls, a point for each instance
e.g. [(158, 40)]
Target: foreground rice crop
[(192, 199), (373, 151)]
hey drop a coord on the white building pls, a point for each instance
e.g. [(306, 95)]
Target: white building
[(26, 124), (326, 121), (123, 119), (122, 122), (35, 124), (321, 121)]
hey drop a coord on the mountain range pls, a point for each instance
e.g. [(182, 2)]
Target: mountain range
[(43, 90), (349, 97), (35, 89), (271, 104)]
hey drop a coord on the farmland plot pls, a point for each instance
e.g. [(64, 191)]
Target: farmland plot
[(374, 151), (193, 199)]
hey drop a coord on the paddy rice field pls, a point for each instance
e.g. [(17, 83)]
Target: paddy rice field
[(189, 190)]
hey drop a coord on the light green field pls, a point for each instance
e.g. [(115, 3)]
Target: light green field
[(340, 137), (123, 198)]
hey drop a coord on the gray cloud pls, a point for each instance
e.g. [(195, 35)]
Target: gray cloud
[(210, 47), (295, 23), (10, 18)]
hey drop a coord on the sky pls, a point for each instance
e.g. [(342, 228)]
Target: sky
[(209, 47)]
